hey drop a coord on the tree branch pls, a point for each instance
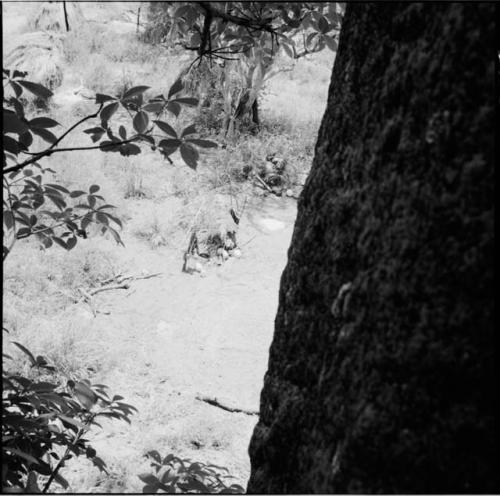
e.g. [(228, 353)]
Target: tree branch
[(263, 25), (48, 152)]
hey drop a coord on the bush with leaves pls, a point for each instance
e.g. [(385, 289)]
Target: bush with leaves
[(44, 418), (245, 39), (176, 475), (44, 424), (27, 196)]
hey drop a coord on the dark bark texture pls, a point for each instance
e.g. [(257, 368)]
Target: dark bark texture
[(381, 369)]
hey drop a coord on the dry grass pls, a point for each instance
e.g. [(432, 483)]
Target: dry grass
[(40, 55), (50, 17)]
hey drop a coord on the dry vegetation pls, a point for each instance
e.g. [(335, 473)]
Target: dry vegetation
[(158, 203)]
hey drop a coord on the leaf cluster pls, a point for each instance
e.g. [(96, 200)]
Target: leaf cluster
[(44, 424), (52, 213), (173, 475)]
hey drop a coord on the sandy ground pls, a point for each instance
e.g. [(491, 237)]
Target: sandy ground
[(180, 336)]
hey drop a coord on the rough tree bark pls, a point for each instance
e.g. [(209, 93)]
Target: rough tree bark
[(380, 373)]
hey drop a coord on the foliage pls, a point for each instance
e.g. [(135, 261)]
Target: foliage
[(26, 192), (245, 38), (174, 475), (44, 423)]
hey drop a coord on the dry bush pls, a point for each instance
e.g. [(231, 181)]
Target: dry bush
[(50, 17), (40, 55), (40, 288)]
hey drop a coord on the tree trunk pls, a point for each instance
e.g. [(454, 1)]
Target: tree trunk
[(66, 22), (380, 374), (255, 112)]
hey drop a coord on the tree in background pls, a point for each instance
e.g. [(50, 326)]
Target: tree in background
[(381, 370), (240, 42)]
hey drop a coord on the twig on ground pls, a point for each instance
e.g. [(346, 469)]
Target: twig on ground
[(263, 183), (218, 404), (250, 240), (106, 288), (120, 278)]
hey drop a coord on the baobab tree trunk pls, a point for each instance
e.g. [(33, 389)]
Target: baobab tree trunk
[(380, 374)]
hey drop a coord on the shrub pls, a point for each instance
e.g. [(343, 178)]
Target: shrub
[(174, 475), (44, 423)]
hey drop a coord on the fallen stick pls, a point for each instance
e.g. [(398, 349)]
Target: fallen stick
[(120, 278), (149, 276), (111, 279), (246, 242), (106, 288), (218, 404), (263, 183)]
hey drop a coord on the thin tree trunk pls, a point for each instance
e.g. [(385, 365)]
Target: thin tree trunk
[(255, 113), (65, 17), (381, 369), (138, 19)]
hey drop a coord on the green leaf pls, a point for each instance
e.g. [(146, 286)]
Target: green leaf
[(129, 149), (154, 455), (149, 479), (134, 91), (323, 25), (169, 146), (154, 107), (94, 189), (202, 143), (140, 122), (102, 218), (149, 139), (10, 145), (96, 133), (189, 155), (77, 193), (166, 128), (115, 235), (12, 123), (108, 111), (122, 132), (187, 101), (100, 98), (44, 134), (61, 480), (288, 50), (309, 39), (86, 221), (189, 130), (59, 241), (26, 351), (331, 43), (8, 219), (26, 139), (71, 243), (116, 220), (43, 122), (57, 187), (22, 454), (36, 89), (174, 108), (72, 421), (17, 89), (176, 87)]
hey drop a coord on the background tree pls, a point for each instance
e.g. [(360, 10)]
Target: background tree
[(240, 42), (380, 375)]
